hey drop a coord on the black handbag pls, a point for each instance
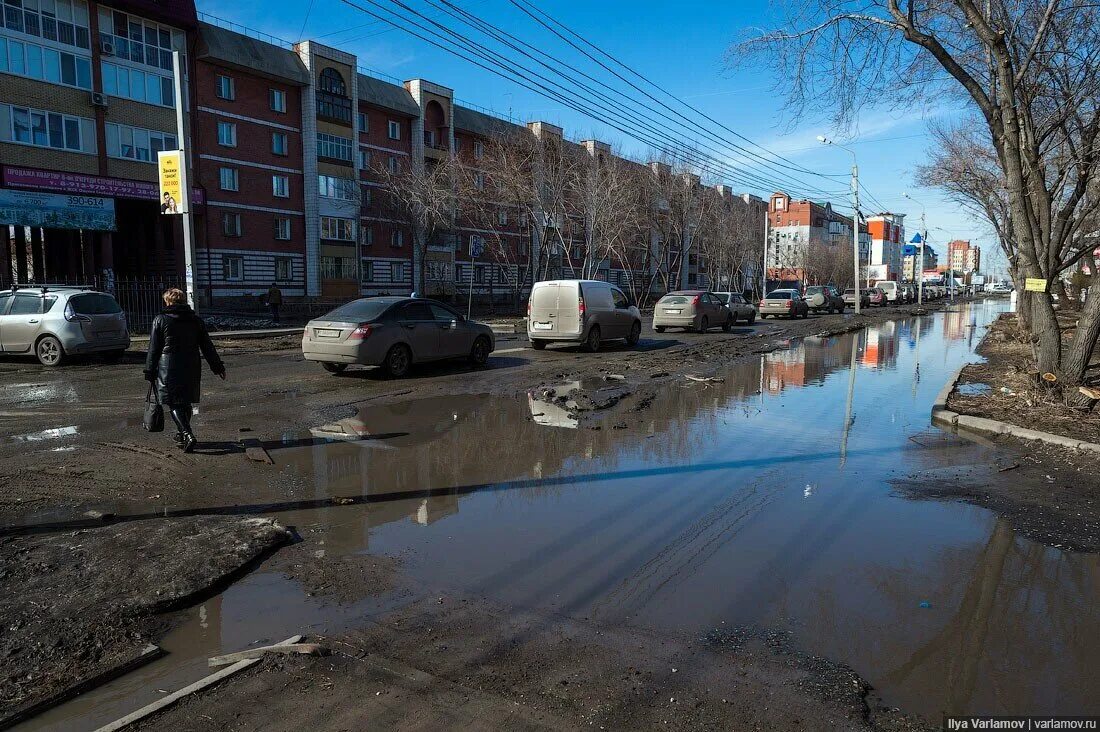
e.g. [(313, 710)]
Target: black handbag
[(153, 421)]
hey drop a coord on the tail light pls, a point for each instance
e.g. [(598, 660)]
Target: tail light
[(695, 300), (528, 309), (762, 303), (787, 304), (580, 308), (74, 317), (359, 333)]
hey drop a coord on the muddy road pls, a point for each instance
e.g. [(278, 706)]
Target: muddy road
[(526, 537)]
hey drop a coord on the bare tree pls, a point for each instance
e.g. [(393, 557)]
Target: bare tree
[(1030, 72), (728, 238)]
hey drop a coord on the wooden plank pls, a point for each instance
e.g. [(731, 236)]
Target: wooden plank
[(309, 649)]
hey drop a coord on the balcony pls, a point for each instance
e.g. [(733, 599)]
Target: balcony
[(436, 143)]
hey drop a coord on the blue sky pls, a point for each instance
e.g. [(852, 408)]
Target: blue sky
[(679, 46)]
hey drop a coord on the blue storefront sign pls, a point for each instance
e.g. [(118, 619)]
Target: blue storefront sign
[(56, 210)]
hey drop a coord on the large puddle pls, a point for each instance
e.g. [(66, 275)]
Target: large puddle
[(763, 499)]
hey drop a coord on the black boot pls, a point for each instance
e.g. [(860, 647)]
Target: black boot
[(181, 415)]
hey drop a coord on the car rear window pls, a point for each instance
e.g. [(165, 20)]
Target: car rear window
[(96, 304), (779, 295), (723, 297), (358, 311), (814, 290), (674, 300), (849, 291)]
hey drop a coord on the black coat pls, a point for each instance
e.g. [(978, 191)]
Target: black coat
[(177, 345)]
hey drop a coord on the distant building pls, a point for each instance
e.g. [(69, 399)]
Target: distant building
[(962, 256), (797, 225), (910, 261), (887, 232)]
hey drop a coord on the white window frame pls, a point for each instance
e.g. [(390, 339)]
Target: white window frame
[(363, 120), (392, 164), (120, 136), (397, 272), (284, 143), (235, 230), (280, 186), (335, 228), (327, 143), (231, 127), (225, 87), (283, 228), (393, 129), (502, 217), (288, 262), (229, 179), (232, 268), (85, 142), (397, 239), (276, 100), (479, 148)]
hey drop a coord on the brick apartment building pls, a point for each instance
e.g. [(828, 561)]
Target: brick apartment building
[(284, 141), (887, 232), (963, 257), (796, 226)]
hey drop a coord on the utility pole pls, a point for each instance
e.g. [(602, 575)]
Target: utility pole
[(185, 183), (919, 274), (855, 216), (764, 273)]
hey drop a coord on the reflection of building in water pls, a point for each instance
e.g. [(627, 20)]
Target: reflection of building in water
[(785, 368), (881, 348), (807, 363), (436, 508), (955, 323)]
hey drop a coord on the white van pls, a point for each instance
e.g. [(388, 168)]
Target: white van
[(891, 289), (581, 311)]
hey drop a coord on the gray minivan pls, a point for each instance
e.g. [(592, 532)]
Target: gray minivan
[(581, 311), (57, 321)]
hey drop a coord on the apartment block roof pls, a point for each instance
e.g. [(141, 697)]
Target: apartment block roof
[(389, 96), (264, 59), (479, 123)]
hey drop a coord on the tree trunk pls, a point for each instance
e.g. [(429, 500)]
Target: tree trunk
[(1076, 361)]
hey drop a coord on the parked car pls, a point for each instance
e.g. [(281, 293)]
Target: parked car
[(784, 302), (588, 312), (54, 322), (394, 333), (696, 310), (876, 296), (893, 292), (741, 308), (864, 297), (824, 298), (910, 293)]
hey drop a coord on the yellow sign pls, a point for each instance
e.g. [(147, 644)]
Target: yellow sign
[(1035, 285), (172, 200)]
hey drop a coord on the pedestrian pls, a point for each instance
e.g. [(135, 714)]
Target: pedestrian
[(274, 300), (177, 345)]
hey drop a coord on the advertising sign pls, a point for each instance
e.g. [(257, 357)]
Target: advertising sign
[(172, 200), (82, 183), (56, 211), (1035, 284), (877, 272)]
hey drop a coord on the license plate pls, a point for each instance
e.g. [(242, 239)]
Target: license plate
[(107, 334), (673, 312), (325, 332), (543, 326)]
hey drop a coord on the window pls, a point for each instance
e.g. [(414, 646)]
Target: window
[(333, 147), (368, 270), (479, 148), (279, 143), (364, 158), (282, 228), (227, 134), (397, 271), (225, 88), (392, 164), (284, 267), (395, 130), (276, 99), (232, 267), (337, 229), (330, 186), (397, 238), (280, 186), (366, 195), (479, 274), (620, 299), (479, 181), (28, 304), (231, 224), (366, 234), (45, 64), (135, 39), (332, 96), (228, 179), (63, 21), (136, 143), (46, 129), (364, 122), (139, 86), (502, 217), (337, 268)]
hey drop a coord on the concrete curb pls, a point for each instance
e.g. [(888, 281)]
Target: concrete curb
[(954, 422)]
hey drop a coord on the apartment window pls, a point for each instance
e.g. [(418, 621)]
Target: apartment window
[(397, 238), (364, 158), (330, 186), (228, 179), (63, 21), (139, 86), (45, 64), (366, 195), (46, 129), (479, 274), (280, 186), (394, 130), (279, 143), (337, 268), (479, 148), (502, 217), (392, 164), (276, 99), (368, 270), (282, 228), (333, 147), (332, 96), (136, 143), (366, 234), (337, 229), (227, 134), (232, 268), (225, 88), (136, 39), (364, 122), (397, 271), (284, 268), (231, 224), (479, 181)]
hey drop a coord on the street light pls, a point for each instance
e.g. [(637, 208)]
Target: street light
[(923, 244), (855, 214)]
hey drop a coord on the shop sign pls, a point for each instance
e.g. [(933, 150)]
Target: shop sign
[(56, 211)]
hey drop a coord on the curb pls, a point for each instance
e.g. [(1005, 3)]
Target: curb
[(953, 422)]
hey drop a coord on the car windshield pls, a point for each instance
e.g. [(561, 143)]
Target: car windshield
[(780, 295), (95, 304), (359, 311)]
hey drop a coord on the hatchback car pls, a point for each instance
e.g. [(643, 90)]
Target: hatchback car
[(696, 310), (739, 307), (784, 302), (54, 322), (875, 296), (864, 297), (394, 333)]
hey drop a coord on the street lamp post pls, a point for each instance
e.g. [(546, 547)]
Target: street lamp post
[(923, 244), (855, 216)]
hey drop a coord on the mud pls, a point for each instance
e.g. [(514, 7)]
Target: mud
[(461, 662), (75, 605)]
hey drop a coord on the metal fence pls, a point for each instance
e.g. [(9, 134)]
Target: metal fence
[(139, 297)]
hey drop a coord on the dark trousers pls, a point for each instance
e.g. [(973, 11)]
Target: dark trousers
[(274, 311)]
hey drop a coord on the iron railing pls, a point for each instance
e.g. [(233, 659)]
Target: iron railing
[(139, 297)]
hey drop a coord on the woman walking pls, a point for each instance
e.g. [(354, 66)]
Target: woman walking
[(177, 345)]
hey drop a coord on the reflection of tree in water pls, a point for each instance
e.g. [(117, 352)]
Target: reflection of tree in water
[(1023, 637)]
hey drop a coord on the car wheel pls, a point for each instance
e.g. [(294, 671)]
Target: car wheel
[(49, 351), (752, 319), (538, 345), (635, 334), (659, 328), (763, 316), (592, 342), (704, 324), (728, 325), (479, 354), (333, 368), (398, 361)]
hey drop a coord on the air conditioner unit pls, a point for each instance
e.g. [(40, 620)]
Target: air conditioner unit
[(107, 48), (99, 99)]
